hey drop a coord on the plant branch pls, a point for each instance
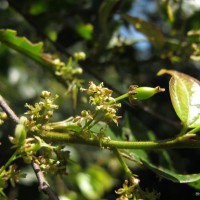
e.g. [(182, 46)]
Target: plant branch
[(11, 159), (8, 111), (186, 141), (43, 184)]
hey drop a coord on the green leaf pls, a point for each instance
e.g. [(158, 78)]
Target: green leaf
[(24, 46), (154, 35), (195, 185), (165, 166), (184, 92), (171, 175)]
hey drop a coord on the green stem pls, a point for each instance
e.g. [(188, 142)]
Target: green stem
[(123, 96), (193, 131), (95, 121), (89, 124), (123, 163), (176, 143), (11, 159), (183, 131)]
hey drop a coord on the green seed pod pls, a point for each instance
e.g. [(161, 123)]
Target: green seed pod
[(142, 93), (20, 134)]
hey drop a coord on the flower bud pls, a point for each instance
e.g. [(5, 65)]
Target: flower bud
[(45, 94), (79, 56), (3, 116), (23, 120), (142, 93), (20, 134)]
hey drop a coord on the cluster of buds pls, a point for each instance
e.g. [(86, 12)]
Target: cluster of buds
[(27, 147), (41, 113), (54, 161), (128, 189), (101, 98), (12, 174), (69, 70)]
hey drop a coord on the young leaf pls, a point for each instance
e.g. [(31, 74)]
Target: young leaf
[(184, 92)]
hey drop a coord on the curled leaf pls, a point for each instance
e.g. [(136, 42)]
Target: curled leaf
[(185, 94)]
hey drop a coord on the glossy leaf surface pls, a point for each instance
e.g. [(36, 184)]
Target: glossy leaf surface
[(185, 96)]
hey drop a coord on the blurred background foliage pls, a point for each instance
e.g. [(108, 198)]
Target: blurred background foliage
[(121, 50)]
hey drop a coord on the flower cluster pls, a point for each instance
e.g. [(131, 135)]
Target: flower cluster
[(132, 190), (127, 191), (12, 174), (101, 98), (69, 70), (41, 113), (54, 161)]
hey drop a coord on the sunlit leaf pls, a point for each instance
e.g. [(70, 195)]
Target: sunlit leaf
[(24, 46), (154, 35), (64, 71), (184, 93), (10, 38)]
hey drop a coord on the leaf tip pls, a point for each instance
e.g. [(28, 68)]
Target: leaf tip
[(161, 72)]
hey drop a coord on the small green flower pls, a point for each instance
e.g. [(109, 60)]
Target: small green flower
[(101, 98)]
